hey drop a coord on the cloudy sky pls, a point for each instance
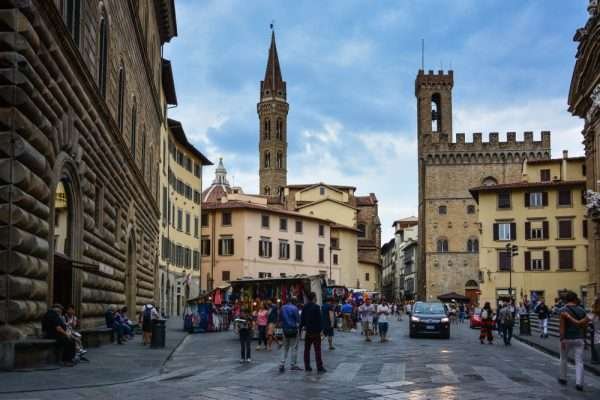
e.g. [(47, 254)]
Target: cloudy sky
[(350, 67)]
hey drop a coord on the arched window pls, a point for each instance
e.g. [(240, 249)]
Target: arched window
[(362, 231), (71, 11), (102, 53), (133, 127), (143, 153), (121, 98), (267, 162), (436, 113), (279, 160), (267, 191), (489, 181), (279, 129), (267, 129), (473, 246), (442, 245)]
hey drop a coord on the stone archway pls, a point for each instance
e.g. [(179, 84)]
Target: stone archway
[(130, 275), (472, 291)]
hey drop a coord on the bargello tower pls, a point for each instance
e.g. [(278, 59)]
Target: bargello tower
[(448, 216), (272, 114)]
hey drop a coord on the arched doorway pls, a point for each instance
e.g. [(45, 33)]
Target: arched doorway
[(130, 276), (62, 272), (472, 291)]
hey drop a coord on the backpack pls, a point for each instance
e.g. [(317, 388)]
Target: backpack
[(484, 314), (147, 314), (508, 318)]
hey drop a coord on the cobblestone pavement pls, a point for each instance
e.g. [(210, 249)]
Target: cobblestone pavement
[(206, 366)]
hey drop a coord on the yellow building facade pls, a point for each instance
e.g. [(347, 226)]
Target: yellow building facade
[(544, 215)]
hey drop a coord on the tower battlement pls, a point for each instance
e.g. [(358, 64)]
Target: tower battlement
[(443, 141), (433, 80)]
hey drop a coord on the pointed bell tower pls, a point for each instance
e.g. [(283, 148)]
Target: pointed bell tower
[(272, 114)]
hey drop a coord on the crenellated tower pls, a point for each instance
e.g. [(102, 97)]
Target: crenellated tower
[(272, 114), (448, 168)]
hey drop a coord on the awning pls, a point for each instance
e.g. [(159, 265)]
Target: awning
[(453, 296)]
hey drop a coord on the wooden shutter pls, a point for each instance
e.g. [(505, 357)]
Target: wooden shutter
[(527, 261), (546, 229), (260, 250), (496, 232), (545, 199), (232, 247), (220, 247), (546, 260), (583, 199), (565, 229), (585, 228), (288, 250), (526, 199), (527, 230), (270, 249), (513, 231), (565, 259)]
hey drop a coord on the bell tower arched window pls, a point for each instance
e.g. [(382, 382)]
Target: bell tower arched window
[(279, 160), (267, 129), (436, 113), (267, 191), (279, 129), (267, 162), (442, 245)]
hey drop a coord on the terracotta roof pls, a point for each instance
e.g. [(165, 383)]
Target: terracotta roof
[(306, 185), (524, 185), (369, 200), (323, 200), (345, 227), (410, 219), (179, 136), (233, 204), (214, 193)]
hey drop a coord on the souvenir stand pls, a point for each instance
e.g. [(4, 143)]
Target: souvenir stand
[(208, 312)]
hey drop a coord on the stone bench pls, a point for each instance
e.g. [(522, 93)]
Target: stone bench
[(96, 337), (28, 353)]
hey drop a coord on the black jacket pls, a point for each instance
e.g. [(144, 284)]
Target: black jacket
[(311, 318)]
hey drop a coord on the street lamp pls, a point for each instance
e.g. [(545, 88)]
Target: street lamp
[(513, 251)]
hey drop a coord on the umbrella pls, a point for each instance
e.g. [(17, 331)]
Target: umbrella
[(453, 296)]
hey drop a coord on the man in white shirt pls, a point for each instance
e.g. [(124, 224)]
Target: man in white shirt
[(367, 312), (383, 311)]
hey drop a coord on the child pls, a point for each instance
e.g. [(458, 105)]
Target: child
[(244, 325)]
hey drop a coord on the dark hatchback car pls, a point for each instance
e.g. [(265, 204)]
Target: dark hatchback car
[(429, 319)]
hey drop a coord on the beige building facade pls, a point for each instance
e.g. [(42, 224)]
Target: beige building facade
[(543, 214), (181, 188), (448, 168), (245, 236)]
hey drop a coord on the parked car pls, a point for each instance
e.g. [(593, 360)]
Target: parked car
[(475, 319), (429, 319)]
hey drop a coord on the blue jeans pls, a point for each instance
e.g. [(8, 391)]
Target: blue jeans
[(507, 331)]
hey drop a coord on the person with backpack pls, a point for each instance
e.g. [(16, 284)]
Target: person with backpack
[(573, 326), (149, 313), (289, 320), (543, 313), (487, 323), (506, 318)]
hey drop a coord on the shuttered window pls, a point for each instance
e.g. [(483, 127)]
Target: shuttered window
[(545, 175), (564, 197), (504, 200), (565, 229), (565, 258), (504, 261)]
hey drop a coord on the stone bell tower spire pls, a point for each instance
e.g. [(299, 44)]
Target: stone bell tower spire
[(272, 114)]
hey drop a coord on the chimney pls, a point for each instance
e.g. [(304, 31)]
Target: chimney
[(565, 154), (563, 169)]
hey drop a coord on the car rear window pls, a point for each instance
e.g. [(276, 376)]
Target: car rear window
[(429, 308)]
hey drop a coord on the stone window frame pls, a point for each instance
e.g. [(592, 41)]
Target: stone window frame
[(103, 49)]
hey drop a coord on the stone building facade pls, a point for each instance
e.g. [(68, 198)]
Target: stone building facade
[(80, 109), (369, 238), (447, 169), (272, 114), (584, 102)]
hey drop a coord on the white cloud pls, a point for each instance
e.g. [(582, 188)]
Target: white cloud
[(328, 134), (352, 52)]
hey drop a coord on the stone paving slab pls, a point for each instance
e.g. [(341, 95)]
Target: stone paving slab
[(109, 364)]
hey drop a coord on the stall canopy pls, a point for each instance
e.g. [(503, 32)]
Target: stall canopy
[(453, 296)]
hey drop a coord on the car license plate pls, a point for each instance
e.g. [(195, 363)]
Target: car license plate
[(430, 327)]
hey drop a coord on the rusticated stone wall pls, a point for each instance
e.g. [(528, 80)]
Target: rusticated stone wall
[(54, 125)]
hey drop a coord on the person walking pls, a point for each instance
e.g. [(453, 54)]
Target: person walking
[(147, 315), (244, 325), (487, 322), (347, 316), (573, 326), (543, 313), (594, 316), (272, 320), (383, 311), (461, 312), (261, 317), (289, 320), (328, 311), (506, 317), (312, 322), (367, 311)]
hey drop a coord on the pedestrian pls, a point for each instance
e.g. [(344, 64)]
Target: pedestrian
[(272, 320), (461, 313), (375, 323), (147, 315), (383, 311), (244, 325), (408, 308), (328, 311), (487, 322), (595, 318), (54, 327), (312, 322), (289, 320), (573, 326), (506, 319), (367, 312), (543, 313), (347, 316), (261, 316)]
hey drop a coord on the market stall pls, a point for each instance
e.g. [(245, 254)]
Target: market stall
[(209, 312)]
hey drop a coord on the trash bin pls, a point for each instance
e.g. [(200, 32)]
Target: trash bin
[(158, 334), (524, 325)]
